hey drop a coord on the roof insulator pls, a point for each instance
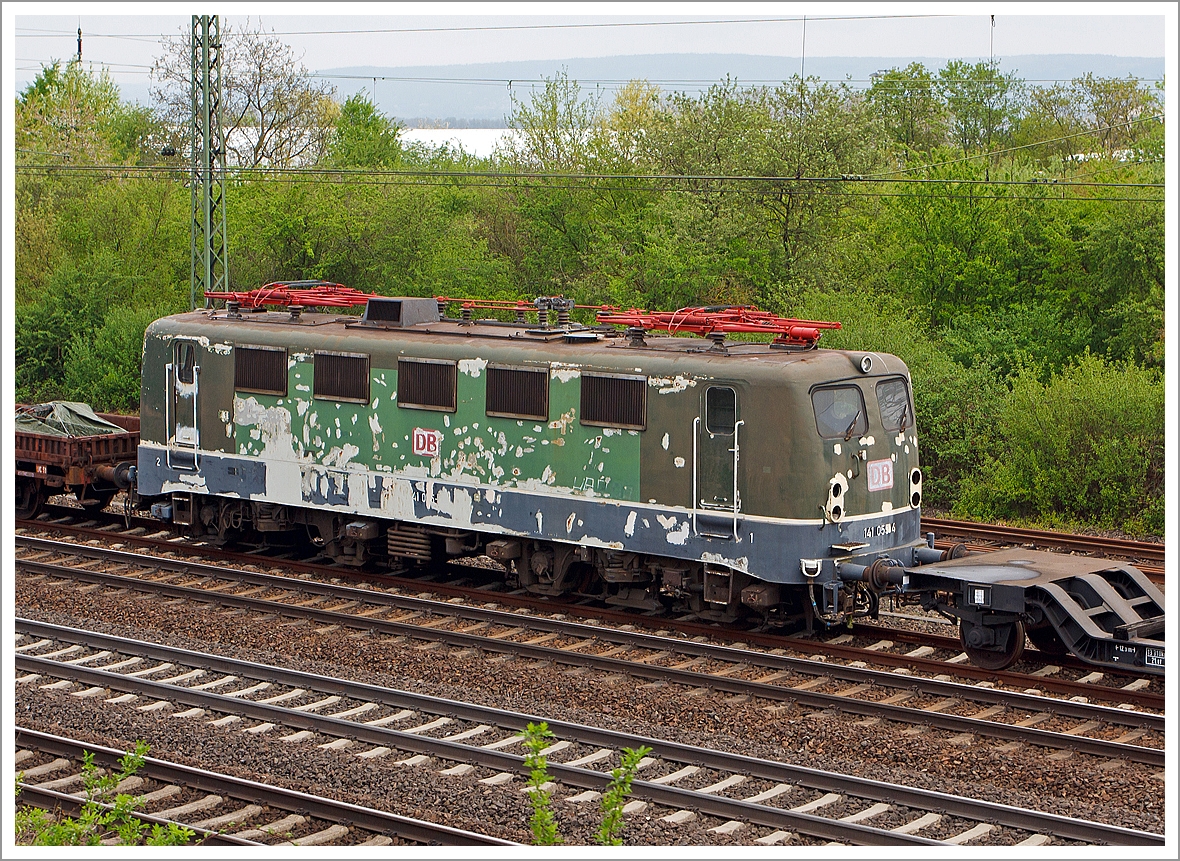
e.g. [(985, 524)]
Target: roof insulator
[(636, 333)]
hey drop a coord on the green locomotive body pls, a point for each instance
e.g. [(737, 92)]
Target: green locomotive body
[(643, 470)]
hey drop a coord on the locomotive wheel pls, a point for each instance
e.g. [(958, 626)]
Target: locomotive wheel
[(1047, 641), (30, 496), (1010, 646)]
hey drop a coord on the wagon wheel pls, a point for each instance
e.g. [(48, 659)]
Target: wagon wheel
[(30, 496), (1009, 646), (1047, 640)]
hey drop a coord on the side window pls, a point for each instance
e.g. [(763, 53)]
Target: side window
[(839, 412), (186, 360), (520, 393), (427, 384), (613, 401), (720, 410), (893, 399), (341, 377), (260, 369)]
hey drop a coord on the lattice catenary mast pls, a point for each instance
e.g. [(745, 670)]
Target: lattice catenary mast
[(210, 257)]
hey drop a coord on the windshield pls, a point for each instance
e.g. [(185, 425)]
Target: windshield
[(839, 412), (893, 399)]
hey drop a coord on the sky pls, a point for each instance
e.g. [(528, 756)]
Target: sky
[(117, 36)]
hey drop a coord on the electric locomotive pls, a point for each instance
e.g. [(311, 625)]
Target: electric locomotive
[(639, 467)]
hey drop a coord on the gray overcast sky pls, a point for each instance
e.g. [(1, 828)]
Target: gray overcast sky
[(127, 42)]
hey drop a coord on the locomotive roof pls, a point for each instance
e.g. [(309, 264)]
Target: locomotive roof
[(601, 346)]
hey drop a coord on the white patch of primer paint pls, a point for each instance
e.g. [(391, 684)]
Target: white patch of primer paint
[(741, 563), (679, 463), (671, 386), (299, 387), (229, 430), (302, 406), (836, 449), (886, 506), (867, 440), (564, 373), (664, 442), (446, 420), (609, 432), (472, 367), (222, 349), (907, 449), (284, 479), (569, 523), (339, 456), (458, 504), (629, 528), (540, 521), (900, 439)]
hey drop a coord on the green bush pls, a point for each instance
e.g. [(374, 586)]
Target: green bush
[(1085, 447), (106, 814)]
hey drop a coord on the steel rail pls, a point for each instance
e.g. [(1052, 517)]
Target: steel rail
[(815, 826), (318, 807), (720, 760), (991, 696), (1044, 537), (51, 799), (866, 708), (852, 653)]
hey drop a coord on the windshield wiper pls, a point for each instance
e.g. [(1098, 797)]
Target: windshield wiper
[(901, 418), (852, 424)]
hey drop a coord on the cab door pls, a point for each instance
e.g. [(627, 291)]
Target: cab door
[(717, 462), (183, 375)]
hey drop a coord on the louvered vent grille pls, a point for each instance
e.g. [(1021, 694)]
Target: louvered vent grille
[(521, 393), (614, 401), (260, 369), (342, 376), (426, 385)]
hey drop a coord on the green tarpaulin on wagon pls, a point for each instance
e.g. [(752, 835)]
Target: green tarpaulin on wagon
[(62, 418)]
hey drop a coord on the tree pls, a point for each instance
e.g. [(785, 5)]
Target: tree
[(983, 103), (274, 114), (906, 101), (364, 137), (1116, 109), (555, 126), (72, 115)]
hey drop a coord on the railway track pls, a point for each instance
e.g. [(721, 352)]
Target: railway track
[(684, 780), (935, 702), (882, 647), (1148, 555), (221, 809)]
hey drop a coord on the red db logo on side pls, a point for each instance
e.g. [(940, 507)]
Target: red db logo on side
[(426, 442), (880, 474)]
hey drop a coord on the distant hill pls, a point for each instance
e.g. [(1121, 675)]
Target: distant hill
[(484, 99)]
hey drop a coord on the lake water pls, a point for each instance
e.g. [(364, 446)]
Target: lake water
[(477, 142)]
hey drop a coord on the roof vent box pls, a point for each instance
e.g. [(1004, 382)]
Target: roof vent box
[(399, 313)]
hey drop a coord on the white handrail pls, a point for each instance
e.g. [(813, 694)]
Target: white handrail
[(696, 434), (737, 503)]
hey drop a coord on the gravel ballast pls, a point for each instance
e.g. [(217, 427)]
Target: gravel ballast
[(1128, 795)]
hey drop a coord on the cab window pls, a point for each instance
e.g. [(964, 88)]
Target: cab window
[(839, 412), (893, 399)]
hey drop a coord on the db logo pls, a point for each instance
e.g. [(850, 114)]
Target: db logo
[(426, 442), (880, 474)]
